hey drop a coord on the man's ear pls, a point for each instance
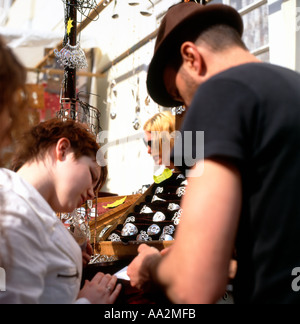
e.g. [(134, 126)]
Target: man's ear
[(192, 58), (63, 147)]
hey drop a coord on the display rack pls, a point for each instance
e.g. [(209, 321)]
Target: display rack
[(70, 38), (81, 112)]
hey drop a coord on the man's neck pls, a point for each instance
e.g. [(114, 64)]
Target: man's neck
[(228, 59)]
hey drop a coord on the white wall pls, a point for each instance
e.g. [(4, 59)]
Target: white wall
[(284, 33)]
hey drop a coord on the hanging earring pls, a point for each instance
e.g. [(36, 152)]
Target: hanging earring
[(137, 121), (133, 3), (115, 14), (72, 57), (113, 95), (146, 10)]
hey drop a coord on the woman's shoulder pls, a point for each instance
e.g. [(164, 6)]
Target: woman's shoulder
[(19, 201)]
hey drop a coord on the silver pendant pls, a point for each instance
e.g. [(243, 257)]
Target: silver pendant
[(168, 231), (130, 219), (129, 230), (177, 217), (146, 210), (114, 238), (153, 230), (143, 237), (155, 198), (166, 237), (180, 192), (159, 190), (159, 217), (173, 207)]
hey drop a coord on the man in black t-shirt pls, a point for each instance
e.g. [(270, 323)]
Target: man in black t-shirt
[(243, 193)]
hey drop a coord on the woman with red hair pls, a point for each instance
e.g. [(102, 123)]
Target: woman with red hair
[(56, 172)]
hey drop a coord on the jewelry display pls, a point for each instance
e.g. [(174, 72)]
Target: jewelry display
[(148, 9), (72, 57), (143, 237), (159, 217), (180, 176), (153, 230), (168, 231), (180, 192), (84, 113), (114, 238), (178, 110), (137, 121), (84, 6), (78, 222), (156, 198), (155, 219), (113, 95), (159, 190), (103, 232), (173, 207), (129, 230), (146, 210), (166, 237), (184, 183), (177, 217), (130, 219), (103, 259)]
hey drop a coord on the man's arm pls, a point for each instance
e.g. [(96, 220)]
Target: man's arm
[(196, 268)]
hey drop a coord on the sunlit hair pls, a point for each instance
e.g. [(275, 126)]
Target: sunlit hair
[(12, 88), (36, 142), (163, 121), (162, 126)]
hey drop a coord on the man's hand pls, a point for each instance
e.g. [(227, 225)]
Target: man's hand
[(140, 270)]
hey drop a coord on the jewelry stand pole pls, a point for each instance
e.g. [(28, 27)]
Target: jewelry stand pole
[(71, 38)]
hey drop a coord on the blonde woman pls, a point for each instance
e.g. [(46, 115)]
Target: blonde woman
[(43, 263), (159, 137)]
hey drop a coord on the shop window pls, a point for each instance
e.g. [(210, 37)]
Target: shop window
[(255, 14), (4, 9)]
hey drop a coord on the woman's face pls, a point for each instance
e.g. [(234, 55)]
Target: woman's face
[(75, 182), (152, 144)]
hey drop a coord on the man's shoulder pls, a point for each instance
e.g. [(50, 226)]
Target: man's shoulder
[(257, 71), (256, 78)]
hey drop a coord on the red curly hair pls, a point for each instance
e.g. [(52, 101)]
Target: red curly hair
[(35, 143)]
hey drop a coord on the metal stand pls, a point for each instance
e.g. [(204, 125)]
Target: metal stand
[(71, 38)]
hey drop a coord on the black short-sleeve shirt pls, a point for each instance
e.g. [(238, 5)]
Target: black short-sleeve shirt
[(250, 116)]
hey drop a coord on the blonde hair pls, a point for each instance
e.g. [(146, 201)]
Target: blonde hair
[(163, 125), (163, 121)]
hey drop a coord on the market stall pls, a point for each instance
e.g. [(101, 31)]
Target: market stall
[(106, 90), (115, 226)]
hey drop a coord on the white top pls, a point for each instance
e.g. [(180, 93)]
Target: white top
[(42, 261)]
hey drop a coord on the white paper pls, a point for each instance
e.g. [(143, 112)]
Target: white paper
[(122, 274)]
